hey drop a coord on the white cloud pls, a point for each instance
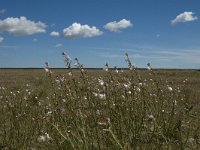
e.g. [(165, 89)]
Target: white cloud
[(1, 39), (54, 33), (76, 30), (58, 45), (21, 26), (184, 17), (117, 26), (2, 11)]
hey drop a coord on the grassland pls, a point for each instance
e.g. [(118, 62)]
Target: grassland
[(88, 109)]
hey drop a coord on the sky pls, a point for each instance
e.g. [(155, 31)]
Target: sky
[(165, 33)]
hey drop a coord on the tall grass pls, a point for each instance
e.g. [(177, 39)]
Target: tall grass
[(113, 110)]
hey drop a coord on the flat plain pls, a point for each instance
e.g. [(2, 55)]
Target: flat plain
[(98, 109)]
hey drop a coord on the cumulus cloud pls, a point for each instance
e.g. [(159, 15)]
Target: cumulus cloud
[(184, 17), (21, 26), (58, 45), (54, 33), (1, 39), (76, 30), (117, 26)]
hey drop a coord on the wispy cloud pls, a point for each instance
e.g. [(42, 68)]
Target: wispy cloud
[(76, 30), (118, 26), (2, 11), (8, 46), (184, 17), (58, 45), (159, 56), (1, 39), (157, 35), (54, 34), (21, 26), (35, 40)]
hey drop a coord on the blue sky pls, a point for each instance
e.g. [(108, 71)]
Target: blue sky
[(164, 33)]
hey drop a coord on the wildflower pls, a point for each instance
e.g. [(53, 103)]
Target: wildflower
[(106, 67), (41, 138), (129, 62), (169, 88), (57, 81), (101, 82), (67, 59), (70, 73), (44, 138), (46, 70), (150, 117), (149, 66), (102, 123), (116, 70), (174, 102), (98, 112), (138, 89), (47, 136), (102, 96), (127, 86), (140, 84), (49, 113)]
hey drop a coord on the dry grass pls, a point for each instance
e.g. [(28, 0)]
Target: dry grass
[(80, 109)]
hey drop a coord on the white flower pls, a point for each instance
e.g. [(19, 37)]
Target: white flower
[(49, 113), (70, 74), (150, 117), (42, 138), (101, 82), (174, 102), (46, 70), (140, 84), (127, 86), (169, 88), (138, 89), (57, 81), (105, 69), (102, 96), (95, 94), (47, 136), (98, 112)]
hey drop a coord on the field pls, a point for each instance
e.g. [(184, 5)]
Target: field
[(99, 109)]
